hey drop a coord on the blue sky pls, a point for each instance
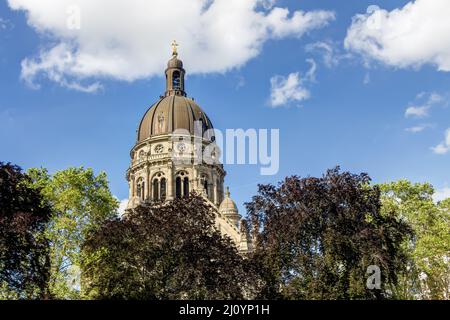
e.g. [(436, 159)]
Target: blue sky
[(354, 116)]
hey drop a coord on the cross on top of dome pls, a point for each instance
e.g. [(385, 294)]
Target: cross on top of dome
[(174, 48)]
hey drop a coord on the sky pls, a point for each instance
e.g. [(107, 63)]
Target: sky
[(360, 84)]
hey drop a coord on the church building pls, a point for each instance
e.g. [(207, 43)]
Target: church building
[(156, 172)]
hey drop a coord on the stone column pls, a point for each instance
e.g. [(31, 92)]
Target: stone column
[(130, 187), (215, 186), (147, 187), (170, 181), (195, 179)]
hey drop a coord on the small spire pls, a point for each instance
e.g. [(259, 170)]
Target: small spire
[(228, 192), (174, 48)]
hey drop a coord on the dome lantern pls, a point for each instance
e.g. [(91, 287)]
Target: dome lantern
[(175, 74), (229, 209)]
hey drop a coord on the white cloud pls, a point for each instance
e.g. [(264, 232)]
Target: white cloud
[(418, 112), (406, 37), (129, 40), (5, 24), (417, 129), (267, 4), (441, 194), (240, 82), (421, 111), (366, 80), (331, 54), (122, 207), (292, 88), (311, 73), (443, 147)]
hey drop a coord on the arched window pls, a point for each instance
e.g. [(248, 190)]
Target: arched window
[(182, 184), (186, 187), (219, 191), (140, 189), (163, 189), (176, 80), (205, 185), (178, 187), (155, 189)]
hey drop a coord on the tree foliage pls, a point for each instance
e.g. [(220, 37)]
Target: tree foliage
[(316, 237), (24, 251), (428, 272), (164, 251), (81, 202)]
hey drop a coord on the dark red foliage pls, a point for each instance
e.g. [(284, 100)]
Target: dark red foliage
[(316, 237), (24, 252), (164, 251)]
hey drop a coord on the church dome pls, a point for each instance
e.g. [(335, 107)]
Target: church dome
[(173, 110), (229, 209), (228, 205), (170, 113)]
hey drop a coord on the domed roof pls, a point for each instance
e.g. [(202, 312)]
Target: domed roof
[(175, 62), (228, 206), (170, 113), (173, 110)]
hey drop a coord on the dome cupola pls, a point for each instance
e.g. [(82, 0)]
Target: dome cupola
[(229, 209), (174, 110), (175, 74)]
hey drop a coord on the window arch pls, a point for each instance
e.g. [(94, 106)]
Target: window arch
[(186, 187), (182, 184), (163, 189), (178, 187), (159, 186), (155, 189), (205, 185), (140, 189)]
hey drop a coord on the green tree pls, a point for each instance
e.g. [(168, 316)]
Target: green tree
[(81, 202), (427, 275), (165, 251), (24, 251), (316, 238)]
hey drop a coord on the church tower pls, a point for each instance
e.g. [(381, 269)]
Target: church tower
[(172, 132)]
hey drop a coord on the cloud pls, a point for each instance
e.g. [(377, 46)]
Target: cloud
[(123, 205), (441, 194), (291, 88), (331, 54), (240, 82), (428, 101), (443, 147), (366, 79), (417, 129), (129, 40), (5, 24), (418, 112), (405, 37)]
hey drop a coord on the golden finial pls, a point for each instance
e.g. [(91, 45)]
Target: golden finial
[(174, 48)]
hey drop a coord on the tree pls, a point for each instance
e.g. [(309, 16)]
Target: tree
[(164, 251), (316, 238), (427, 275), (81, 202), (24, 251)]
